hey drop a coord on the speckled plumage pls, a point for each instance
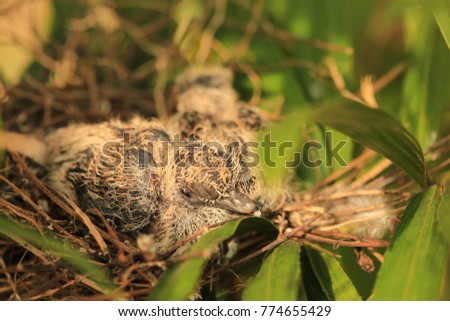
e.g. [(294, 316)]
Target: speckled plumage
[(169, 179)]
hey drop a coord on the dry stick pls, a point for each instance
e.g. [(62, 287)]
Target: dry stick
[(376, 254), (372, 173), (11, 121), (74, 94), (116, 294), (74, 211), (47, 112), (339, 82), (120, 245), (288, 37), (6, 243), (40, 211), (207, 38), (149, 280), (26, 198), (224, 54), (250, 31), (161, 66), (357, 162), (28, 267), (111, 235), (87, 221), (7, 288), (293, 62), (341, 235), (124, 279), (20, 212), (388, 77), (438, 144), (140, 38), (348, 194), (368, 88), (382, 181), (440, 153), (256, 83), (367, 92), (439, 166), (339, 185), (320, 248), (54, 290), (91, 82), (144, 71), (10, 280), (338, 243)]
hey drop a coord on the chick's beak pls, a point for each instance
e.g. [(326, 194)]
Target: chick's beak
[(238, 203)]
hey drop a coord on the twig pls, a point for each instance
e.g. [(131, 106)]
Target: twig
[(321, 249), (338, 243), (10, 280), (356, 163), (52, 195), (124, 279), (388, 77), (24, 214), (250, 31), (88, 223), (289, 37), (54, 290), (207, 38)]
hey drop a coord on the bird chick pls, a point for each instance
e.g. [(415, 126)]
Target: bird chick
[(111, 166), (167, 179)]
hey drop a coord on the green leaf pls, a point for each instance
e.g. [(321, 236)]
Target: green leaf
[(443, 216), (277, 147), (334, 282), (362, 280), (425, 94), (441, 11), (311, 285), (58, 248), (279, 276), (378, 131), (180, 280), (414, 264)]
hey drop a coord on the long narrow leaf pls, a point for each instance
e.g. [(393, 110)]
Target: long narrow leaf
[(425, 94), (414, 263), (378, 131), (335, 283), (441, 11), (279, 276), (58, 248), (443, 216)]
